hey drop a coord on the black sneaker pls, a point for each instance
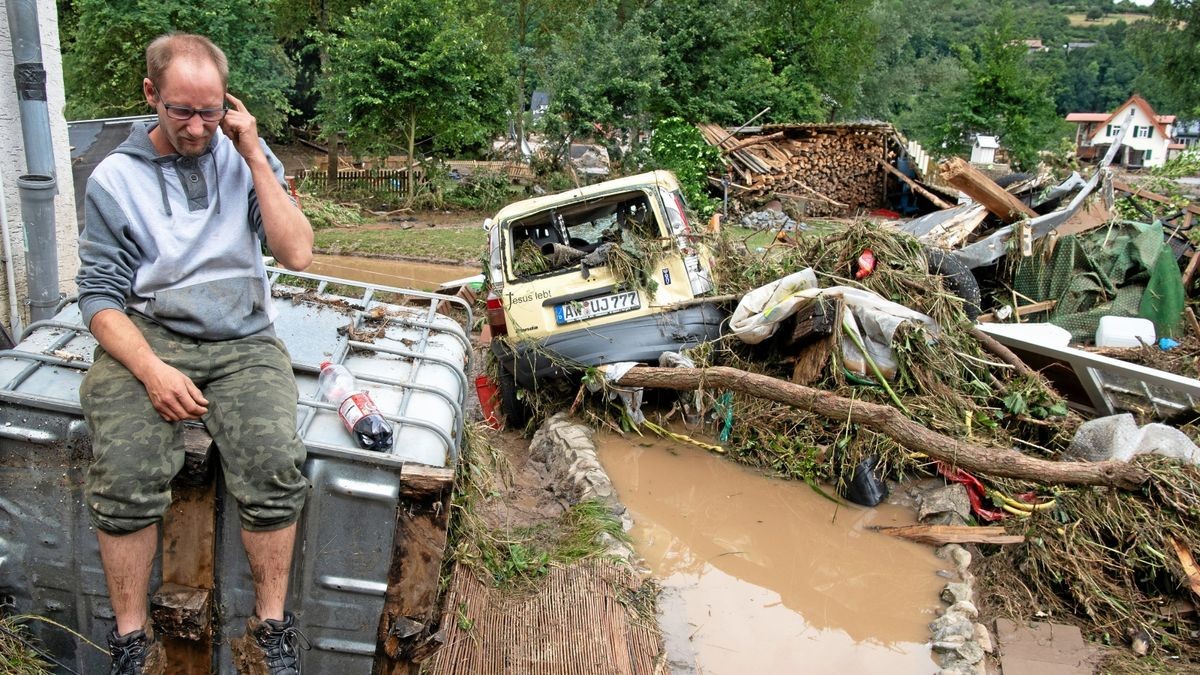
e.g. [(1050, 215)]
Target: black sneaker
[(136, 653), (277, 642)]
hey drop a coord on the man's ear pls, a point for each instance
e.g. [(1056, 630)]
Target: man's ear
[(148, 91)]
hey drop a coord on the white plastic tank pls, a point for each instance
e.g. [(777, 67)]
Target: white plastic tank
[(1124, 331)]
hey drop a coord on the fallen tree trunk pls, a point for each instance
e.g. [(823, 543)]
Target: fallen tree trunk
[(890, 422)]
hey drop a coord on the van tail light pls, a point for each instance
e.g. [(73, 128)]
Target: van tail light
[(495, 315), (687, 227)]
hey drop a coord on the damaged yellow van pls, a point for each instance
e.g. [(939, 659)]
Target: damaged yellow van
[(595, 275)]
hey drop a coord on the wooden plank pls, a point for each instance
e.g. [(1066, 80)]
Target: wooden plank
[(1190, 271), (182, 611), (815, 328), (1152, 196), (188, 560), (984, 190), (409, 620), (1043, 306), (1188, 563), (937, 535), (937, 201)]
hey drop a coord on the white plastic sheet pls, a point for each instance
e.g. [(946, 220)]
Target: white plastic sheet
[(867, 315)]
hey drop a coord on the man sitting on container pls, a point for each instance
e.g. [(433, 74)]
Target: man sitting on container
[(173, 287)]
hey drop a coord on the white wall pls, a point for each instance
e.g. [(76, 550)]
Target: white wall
[(12, 160), (1157, 144)]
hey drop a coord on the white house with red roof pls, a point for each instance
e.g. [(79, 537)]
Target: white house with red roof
[(1150, 140)]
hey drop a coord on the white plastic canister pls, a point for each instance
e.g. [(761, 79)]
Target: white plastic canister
[(1124, 331)]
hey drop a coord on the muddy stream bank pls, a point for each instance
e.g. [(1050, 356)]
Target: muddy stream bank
[(764, 575)]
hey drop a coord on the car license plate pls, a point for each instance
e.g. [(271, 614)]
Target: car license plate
[(582, 310)]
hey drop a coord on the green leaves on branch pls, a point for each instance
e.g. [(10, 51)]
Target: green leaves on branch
[(678, 147), (105, 62)]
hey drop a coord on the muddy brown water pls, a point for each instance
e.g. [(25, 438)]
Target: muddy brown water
[(384, 272), (761, 575)]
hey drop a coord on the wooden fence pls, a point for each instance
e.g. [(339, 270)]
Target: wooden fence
[(377, 180)]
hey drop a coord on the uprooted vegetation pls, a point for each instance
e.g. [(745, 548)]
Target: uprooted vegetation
[(1103, 557)]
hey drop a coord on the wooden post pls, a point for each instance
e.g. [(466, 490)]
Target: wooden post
[(182, 607), (410, 614), (984, 190)]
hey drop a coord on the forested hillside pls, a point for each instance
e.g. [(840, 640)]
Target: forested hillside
[(448, 76)]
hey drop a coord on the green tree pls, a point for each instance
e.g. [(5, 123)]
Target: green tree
[(1170, 46), (105, 62), (711, 69), (404, 69), (1095, 14), (603, 71), (821, 48), (301, 24), (1005, 96)]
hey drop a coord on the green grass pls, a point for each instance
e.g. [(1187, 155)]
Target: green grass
[(432, 243)]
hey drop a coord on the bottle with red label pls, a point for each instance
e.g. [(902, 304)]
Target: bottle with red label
[(359, 413)]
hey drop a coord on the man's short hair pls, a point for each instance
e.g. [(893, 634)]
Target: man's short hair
[(170, 46)]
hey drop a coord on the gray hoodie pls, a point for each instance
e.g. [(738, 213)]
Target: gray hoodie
[(176, 239)]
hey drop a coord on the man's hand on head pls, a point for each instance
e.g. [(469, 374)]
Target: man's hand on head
[(241, 128), (173, 394)]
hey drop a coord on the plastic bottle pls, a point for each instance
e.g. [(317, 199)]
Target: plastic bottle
[(359, 413)]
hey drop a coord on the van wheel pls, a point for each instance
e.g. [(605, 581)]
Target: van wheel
[(516, 413), (957, 278)]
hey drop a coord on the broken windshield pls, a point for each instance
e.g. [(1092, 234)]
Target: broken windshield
[(564, 237)]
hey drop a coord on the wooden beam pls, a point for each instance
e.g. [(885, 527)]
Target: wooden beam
[(1043, 306), (937, 201), (937, 535), (182, 606), (984, 190), (1152, 196), (410, 616), (756, 140), (1190, 271)]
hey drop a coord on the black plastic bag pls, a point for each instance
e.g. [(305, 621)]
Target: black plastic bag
[(865, 488)]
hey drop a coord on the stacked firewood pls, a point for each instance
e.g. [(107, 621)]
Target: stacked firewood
[(831, 169)]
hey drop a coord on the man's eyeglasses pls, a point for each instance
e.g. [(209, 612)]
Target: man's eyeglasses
[(184, 113)]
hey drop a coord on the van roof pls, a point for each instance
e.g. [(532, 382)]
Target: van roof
[(662, 178)]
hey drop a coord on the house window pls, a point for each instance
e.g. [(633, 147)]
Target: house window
[(1114, 129), (1143, 132)]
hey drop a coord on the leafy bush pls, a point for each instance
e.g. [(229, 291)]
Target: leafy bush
[(678, 147), (1181, 165), (483, 190)]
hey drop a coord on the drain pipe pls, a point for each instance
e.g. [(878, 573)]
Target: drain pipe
[(14, 311), (38, 187)]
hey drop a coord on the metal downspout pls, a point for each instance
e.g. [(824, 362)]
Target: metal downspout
[(14, 311), (38, 187)]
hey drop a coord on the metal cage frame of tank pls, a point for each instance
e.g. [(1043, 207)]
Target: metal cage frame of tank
[(370, 543)]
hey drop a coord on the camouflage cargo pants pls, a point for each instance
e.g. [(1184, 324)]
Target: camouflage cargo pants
[(251, 416)]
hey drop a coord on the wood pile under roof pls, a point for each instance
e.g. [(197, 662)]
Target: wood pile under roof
[(833, 169)]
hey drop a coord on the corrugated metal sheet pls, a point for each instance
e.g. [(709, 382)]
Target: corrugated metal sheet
[(410, 357)]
